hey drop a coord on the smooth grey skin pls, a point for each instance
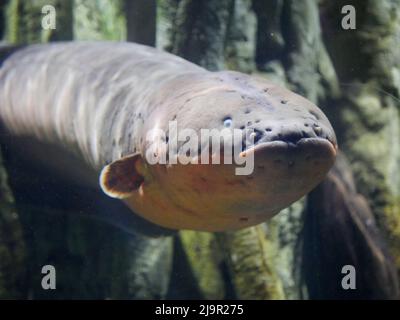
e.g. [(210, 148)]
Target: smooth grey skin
[(98, 100), (92, 98)]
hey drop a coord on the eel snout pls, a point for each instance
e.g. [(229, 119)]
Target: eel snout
[(288, 167), (294, 133)]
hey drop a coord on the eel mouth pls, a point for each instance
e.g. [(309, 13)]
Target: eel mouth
[(316, 143), (308, 160)]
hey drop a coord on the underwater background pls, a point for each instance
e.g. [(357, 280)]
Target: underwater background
[(351, 218)]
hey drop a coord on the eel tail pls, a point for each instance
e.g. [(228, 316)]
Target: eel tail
[(340, 229)]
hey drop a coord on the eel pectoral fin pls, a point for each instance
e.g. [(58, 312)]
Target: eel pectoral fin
[(122, 177)]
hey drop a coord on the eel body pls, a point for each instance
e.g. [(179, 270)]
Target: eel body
[(97, 103)]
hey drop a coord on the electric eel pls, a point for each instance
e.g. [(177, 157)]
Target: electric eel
[(86, 109)]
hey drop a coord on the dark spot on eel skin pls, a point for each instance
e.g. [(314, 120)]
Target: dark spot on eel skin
[(244, 219), (268, 129)]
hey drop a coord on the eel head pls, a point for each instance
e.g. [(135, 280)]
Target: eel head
[(292, 147)]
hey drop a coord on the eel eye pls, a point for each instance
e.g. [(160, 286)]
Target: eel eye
[(227, 122)]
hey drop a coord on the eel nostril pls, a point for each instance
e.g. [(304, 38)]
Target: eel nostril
[(317, 129), (256, 136)]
